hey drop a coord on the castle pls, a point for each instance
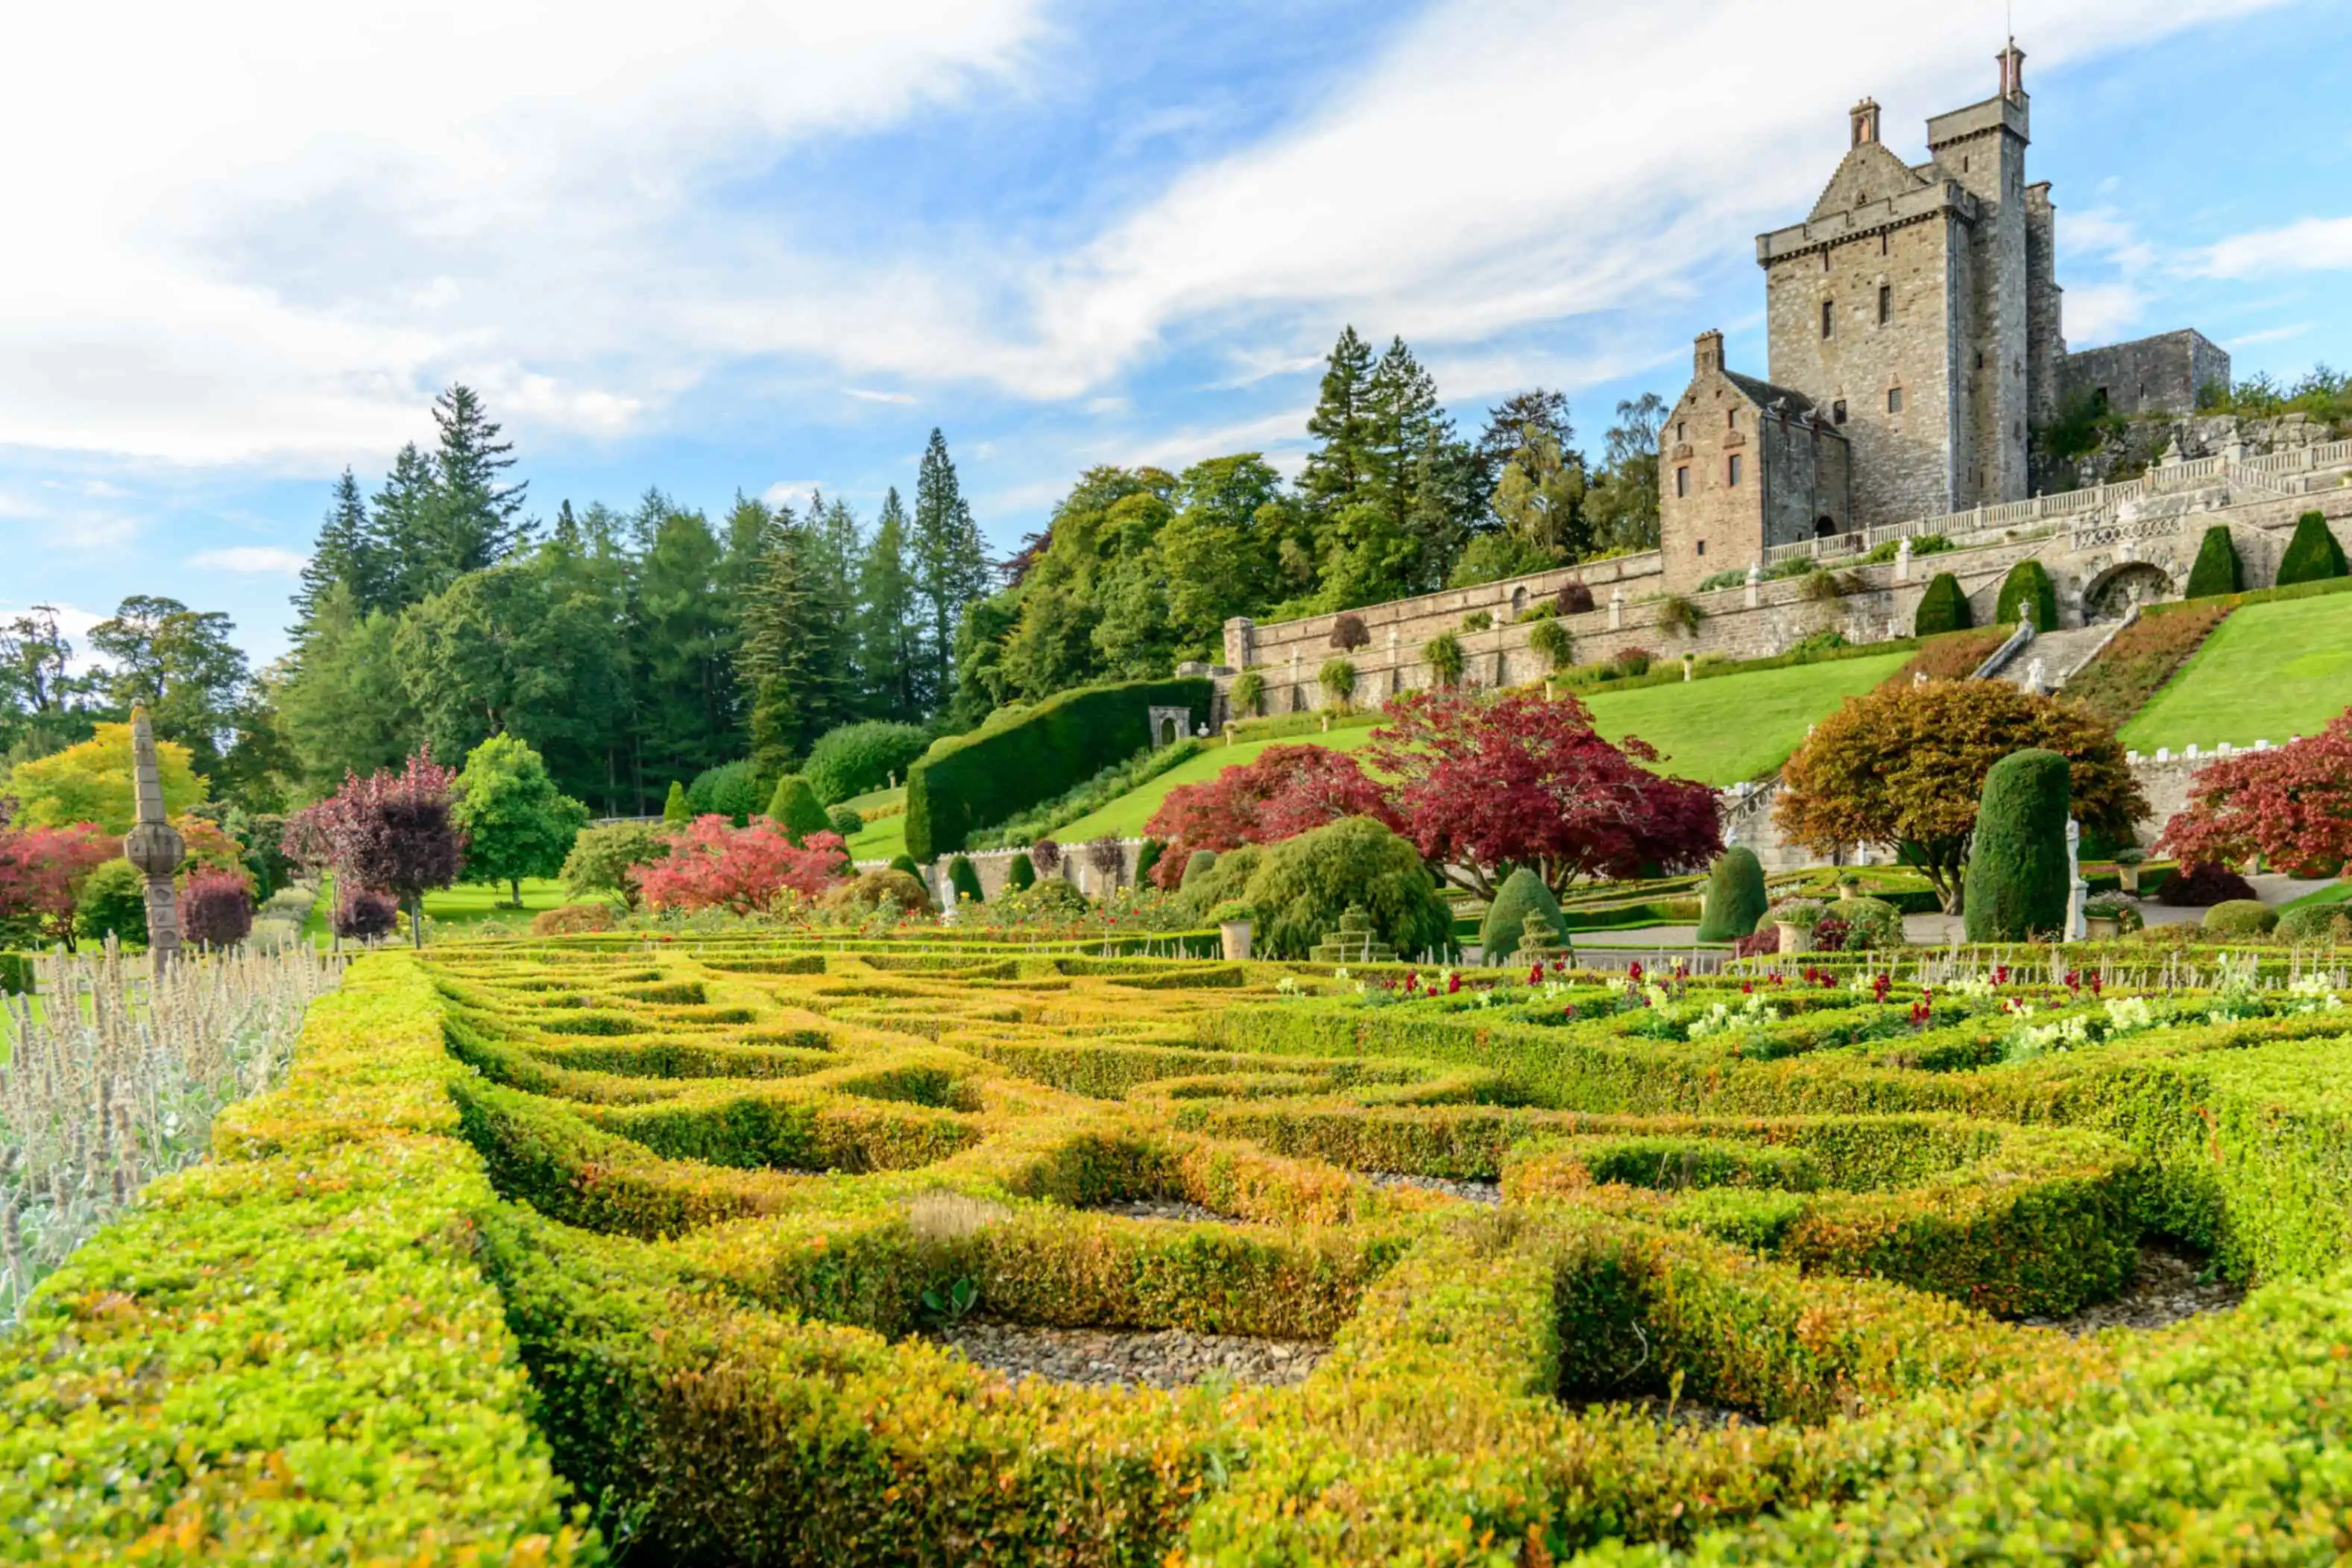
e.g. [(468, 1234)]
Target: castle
[(1916, 348)]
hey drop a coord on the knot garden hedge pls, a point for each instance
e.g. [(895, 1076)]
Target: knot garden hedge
[(558, 1250)]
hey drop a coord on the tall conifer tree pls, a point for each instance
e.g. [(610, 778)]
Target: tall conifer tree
[(950, 567), (1336, 469), (345, 553), (790, 661), (889, 646)]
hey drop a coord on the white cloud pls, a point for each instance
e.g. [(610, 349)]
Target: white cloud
[(2102, 312), (73, 623), (863, 395), (2314, 245), (2269, 335), (790, 492), (252, 560)]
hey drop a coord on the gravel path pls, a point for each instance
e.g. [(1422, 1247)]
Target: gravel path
[(1162, 1208), (1155, 1358), (2165, 1289), (1474, 1191)]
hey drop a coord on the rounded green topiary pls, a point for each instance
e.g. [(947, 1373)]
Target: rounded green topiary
[(2329, 923), (905, 863), (1872, 924), (674, 808), (964, 880), (1304, 885), (2016, 887), (794, 808), (2312, 555), (1943, 608), (1735, 897), (1523, 892), (857, 758), (1196, 866), (846, 820), (2241, 918), (731, 790), (2028, 594), (2217, 569), (1146, 858), (1020, 875)]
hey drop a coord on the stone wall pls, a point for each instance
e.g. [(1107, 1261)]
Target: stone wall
[(1984, 146), (2149, 375)]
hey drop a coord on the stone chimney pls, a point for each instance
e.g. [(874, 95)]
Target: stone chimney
[(2012, 72), (1706, 355), (1865, 122)]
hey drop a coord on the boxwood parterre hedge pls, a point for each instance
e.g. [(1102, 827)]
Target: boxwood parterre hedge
[(715, 1228)]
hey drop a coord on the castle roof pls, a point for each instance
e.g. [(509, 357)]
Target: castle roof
[(1764, 394), (1869, 172)]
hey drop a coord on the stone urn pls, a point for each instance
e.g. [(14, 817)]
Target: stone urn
[(2102, 927), (1236, 935), (1794, 937)]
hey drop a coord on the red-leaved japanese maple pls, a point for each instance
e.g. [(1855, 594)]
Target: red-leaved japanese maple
[(1285, 791), (1485, 784), (714, 864), (392, 832), (2291, 804), (41, 870)]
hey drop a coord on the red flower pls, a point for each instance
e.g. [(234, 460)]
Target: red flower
[(1453, 984)]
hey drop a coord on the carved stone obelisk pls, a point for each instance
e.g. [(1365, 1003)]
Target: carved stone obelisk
[(153, 845)]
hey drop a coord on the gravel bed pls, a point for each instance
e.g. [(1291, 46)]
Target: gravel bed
[(1153, 1358), (2165, 1289), (1162, 1208), (1474, 1191)]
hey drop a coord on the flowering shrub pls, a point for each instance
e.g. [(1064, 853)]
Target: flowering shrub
[(1288, 791), (714, 864), (41, 873)]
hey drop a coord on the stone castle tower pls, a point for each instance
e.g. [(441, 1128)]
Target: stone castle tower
[(1913, 324)]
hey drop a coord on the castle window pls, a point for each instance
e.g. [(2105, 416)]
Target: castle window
[(1882, 242), (1702, 547), (1731, 471), (1895, 400), (1682, 481), (1682, 430), (1731, 419), (1828, 317), (1885, 303), (1837, 411)]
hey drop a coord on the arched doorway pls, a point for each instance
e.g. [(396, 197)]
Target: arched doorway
[(2111, 595), (1824, 526), (1167, 732)]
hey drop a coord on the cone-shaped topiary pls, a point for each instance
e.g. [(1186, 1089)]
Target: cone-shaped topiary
[(2028, 594), (2217, 569), (1943, 608), (906, 863), (1146, 858), (1020, 875), (1522, 892), (793, 808), (2313, 555), (674, 808), (1196, 866), (2016, 886), (964, 880), (1735, 897)]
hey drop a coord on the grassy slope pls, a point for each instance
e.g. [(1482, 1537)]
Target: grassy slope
[(1719, 731), (2268, 671)]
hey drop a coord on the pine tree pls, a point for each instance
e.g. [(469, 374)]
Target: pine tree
[(950, 566), (790, 661), (1336, 469), (888, 651), (476, 514), (400, 523), (345, 553)]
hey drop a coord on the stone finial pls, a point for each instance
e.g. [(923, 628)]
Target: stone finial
[(153, 845), (1864, 118)]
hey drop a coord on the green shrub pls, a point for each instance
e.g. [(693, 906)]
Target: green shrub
[(1523, 893), (1306, 883), (1147, 858), (1338, 679), (1735, 900), (1196, 866), (113, 899), (2016, 883), (964, 880), (674, 811), (905, 863), (2028, 594), (1872, 924), (977, 780), (1249, 690), (1443, 654), (601, 859), (2316, 922), (1943, 608), (858, 758), (794, 808), (867, 891), (730, 789), (1020, 875), (2218, 569), (2312, 555), (846, 820), (16, 974), (1552, 642), (2241, 918)]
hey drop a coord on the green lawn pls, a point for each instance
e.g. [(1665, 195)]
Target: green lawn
[(464, 904), (1126, 815), (2336, 892), (1736, 727), (880, 841), (2268, 671)]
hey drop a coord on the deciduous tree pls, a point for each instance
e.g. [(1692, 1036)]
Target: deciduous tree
[(2291, 804), (516, 821), (392, 833), (1903, 768), (41, 873), (1287, 789), (715, 864)]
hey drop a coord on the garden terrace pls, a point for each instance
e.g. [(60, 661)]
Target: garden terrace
[(779, 1251)]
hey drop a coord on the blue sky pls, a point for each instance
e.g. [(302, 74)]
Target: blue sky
[(722, 246)]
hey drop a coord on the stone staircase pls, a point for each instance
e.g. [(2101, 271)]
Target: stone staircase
[(2044, 664)]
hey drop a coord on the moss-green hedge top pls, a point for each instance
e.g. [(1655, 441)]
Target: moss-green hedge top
[(2027, 594), (977, 780)]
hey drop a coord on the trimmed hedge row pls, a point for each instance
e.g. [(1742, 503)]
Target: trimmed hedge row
[(976, 781)]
